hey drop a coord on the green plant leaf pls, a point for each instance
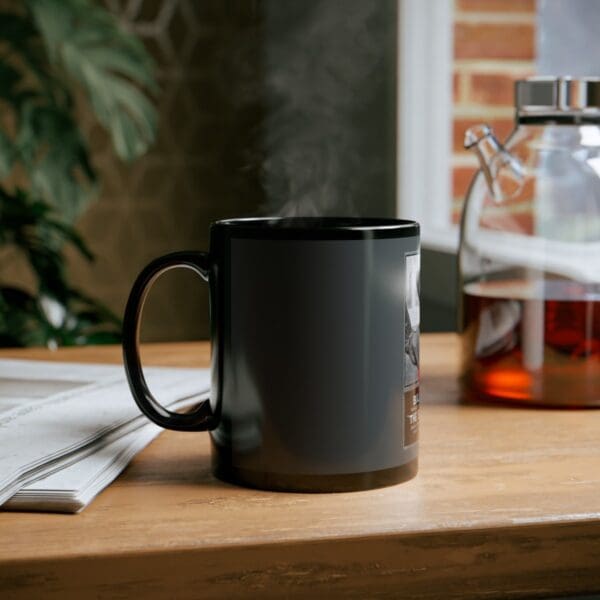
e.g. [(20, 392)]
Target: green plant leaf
[(49, 49), (56, 158), (21, 321), (7, 155), (17, 30), (99, 337), (9, 79), (32, 227), (70, 235), (87, 43), (89, 306)]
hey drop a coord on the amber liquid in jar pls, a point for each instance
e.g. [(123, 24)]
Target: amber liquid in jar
[(521, 345)]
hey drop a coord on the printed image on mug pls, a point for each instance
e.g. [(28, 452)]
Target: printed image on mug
[(411, 349), (315, 351)]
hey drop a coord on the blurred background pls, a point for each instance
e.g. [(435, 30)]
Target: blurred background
[(182, 112)]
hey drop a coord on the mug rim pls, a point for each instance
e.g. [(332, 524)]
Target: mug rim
[(317, 227)]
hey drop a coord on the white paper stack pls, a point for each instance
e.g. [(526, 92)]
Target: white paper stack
[(67, 430)]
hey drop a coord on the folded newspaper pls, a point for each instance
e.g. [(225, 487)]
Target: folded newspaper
[(68, 429)]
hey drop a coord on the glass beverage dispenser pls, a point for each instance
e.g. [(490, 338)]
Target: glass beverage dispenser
[(530, 251)]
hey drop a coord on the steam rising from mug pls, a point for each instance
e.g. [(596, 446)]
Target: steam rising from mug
[(329, 129)]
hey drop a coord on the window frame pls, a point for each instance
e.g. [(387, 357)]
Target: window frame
[(424, 120)]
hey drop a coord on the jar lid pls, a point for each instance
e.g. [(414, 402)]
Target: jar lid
[(560, 97)]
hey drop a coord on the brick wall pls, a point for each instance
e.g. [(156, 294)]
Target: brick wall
[(494, 44)]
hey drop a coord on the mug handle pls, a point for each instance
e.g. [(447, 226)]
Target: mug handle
[(202, 418)]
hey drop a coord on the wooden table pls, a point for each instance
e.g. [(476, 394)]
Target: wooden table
[(506, 504)]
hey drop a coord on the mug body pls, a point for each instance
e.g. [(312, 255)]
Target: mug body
[(315, 352)]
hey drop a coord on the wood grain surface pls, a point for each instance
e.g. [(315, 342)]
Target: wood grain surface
[(506, 504)]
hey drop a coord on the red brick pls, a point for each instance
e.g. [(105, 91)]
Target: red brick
[(494, 41), (520, 202), (501, 127), (515, 6), (461, 179), (517, 222), (456, 87), (506, 220), (492, 89)]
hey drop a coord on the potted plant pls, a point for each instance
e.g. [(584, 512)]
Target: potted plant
[(55, 55)]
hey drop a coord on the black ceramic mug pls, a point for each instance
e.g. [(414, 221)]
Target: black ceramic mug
[(314, 330)]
